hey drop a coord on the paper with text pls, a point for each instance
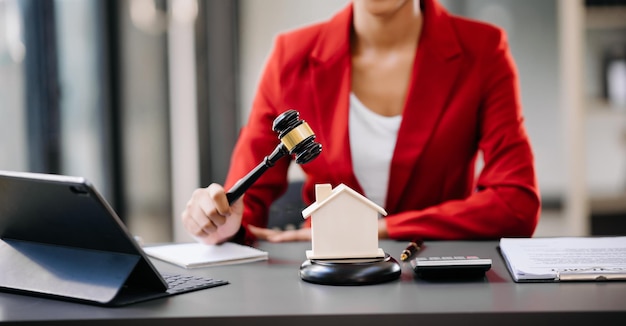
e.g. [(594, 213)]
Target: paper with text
[(194, 255), (546, 258)]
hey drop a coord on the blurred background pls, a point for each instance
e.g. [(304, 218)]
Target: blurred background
[(145, 97)]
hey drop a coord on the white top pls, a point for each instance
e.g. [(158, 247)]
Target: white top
[(372, 142)]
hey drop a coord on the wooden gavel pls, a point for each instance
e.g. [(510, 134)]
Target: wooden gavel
[(296, 138)]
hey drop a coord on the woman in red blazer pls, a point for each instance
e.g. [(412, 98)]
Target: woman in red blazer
[(451, 83)]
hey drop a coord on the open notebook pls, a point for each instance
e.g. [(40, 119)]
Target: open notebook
[(194, 255), (59, 238)]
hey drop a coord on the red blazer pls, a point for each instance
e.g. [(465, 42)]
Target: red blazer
[(463, 99)]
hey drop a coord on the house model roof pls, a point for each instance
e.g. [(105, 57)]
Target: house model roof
[(335, 194)]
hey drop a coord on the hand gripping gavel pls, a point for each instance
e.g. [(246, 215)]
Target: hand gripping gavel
[(296, 138)]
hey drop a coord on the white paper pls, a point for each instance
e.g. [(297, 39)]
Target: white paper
[(547, 258), (194, 255)]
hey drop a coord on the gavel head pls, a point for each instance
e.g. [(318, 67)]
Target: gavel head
[(297, 136)]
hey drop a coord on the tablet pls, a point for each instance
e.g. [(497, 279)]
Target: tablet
[(60, 238)]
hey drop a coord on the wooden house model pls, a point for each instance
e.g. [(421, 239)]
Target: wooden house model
[(344, 224)]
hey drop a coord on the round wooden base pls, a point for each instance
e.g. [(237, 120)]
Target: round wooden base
[(350, 271)]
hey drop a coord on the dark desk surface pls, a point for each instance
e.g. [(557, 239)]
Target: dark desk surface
[(271, 293)]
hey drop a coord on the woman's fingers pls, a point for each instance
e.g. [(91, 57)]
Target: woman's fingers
[(206, 210), (218, 208), (261, 233), (272, 235)]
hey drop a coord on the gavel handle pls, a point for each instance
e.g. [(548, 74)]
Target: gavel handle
[(244, 183)]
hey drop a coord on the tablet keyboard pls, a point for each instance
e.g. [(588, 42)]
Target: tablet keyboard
[(178, 283)]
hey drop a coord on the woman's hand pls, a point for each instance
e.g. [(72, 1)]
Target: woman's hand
[(208, 216), (382, 229), (271, 235), (303, 234)]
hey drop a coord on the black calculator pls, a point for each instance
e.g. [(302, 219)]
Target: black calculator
[(450, 267)]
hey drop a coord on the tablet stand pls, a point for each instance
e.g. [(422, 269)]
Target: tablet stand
[(71, 273)]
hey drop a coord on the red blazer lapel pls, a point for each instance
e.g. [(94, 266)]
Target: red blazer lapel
[(330, 77), (435, 70)]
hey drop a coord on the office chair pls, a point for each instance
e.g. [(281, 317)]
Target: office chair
[(286, 212)]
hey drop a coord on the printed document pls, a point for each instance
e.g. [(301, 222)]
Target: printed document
[(565, 258), (194, 255)]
